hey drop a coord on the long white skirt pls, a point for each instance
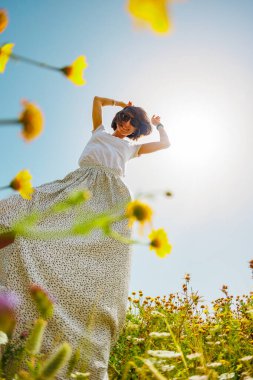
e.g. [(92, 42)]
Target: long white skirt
[(87, 275)]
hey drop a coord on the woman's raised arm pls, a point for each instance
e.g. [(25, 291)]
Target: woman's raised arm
[(98, 103), (164, 142)]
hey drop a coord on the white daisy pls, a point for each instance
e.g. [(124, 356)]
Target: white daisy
[(226, 376), (214, 365), (155, 334), (3, 338), (193, 356), (80, 375), (158, 361), (246, 358), (164, 354), (137, 340), (167, 368)]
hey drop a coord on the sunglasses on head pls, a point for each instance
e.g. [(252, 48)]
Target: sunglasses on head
[(123, 116)]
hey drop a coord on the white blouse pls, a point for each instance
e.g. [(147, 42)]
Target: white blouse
[(108, 150)]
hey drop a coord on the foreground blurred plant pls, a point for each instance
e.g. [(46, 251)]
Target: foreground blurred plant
[(4, 20), (73, 72), (43, 301), (5, 52), (153, 13), (137, 211), (8, 303), (31, 120), (21, 183), (35, 366), (159, 242), (86, 222)]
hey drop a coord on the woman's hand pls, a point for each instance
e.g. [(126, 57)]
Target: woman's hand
[(155, 120)]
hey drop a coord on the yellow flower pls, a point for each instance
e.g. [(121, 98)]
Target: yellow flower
[(159, 242), (151, 12), (3, 20), (22, 183), (5, 51), (138, 211), (75, 72), (32, 120)]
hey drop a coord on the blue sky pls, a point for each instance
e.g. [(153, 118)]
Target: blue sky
[(197, 79)]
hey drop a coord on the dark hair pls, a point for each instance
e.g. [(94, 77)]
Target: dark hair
[(140, 121)]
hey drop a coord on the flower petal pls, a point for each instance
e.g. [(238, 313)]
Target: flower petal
[(151, 12), (4, 20), (75, 72), (5, 51)]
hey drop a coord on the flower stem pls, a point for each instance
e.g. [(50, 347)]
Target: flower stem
[(9, 121), (33, 62), (121, 238), (4, 187)]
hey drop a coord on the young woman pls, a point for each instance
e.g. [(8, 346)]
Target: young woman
[(87, 275)]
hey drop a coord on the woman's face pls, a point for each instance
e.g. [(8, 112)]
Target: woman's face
[(124, 125)]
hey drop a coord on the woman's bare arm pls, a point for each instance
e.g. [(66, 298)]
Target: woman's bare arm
[(157, 145), (109, 102), (98, 103)]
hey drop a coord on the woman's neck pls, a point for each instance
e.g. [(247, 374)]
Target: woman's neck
[(118, 134)]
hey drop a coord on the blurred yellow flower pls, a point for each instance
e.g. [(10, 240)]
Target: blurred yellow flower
[(5, 51), (22, 183), (138, 211), (32, 119), (74, 72), (159, 242), (3, 20), (151, 12)]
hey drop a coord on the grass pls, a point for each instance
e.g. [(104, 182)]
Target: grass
[(179, 337)]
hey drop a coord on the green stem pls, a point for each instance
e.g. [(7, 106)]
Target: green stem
[(127, 368), (26, 226), (176, 343), (42, 235), (33, 62), (9, 121), (152, 369), (4, 187), (121, 238)]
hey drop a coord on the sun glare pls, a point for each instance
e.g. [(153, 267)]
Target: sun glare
[(200, 139)]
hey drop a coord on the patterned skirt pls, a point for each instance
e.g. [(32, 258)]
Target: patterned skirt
[(88, 276)]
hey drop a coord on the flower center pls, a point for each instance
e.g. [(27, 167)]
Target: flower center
[(156, 243), (140, 213)]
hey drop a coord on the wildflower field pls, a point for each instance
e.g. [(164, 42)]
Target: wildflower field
[(176, 336)]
